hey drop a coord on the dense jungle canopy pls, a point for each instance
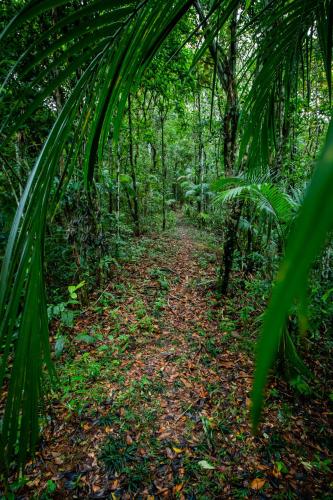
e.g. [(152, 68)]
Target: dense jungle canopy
[(166, 216)]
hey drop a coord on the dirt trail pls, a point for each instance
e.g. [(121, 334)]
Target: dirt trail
[(157, 405), (175, 356)]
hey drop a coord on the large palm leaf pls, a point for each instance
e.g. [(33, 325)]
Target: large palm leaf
[(267, 197), (282, 38), (108, 70), (277, 63), (312, 225)]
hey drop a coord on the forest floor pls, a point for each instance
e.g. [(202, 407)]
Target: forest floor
[(155, 387)]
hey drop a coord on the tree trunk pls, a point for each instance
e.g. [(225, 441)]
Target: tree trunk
[(200, 173), (164, 173), (230, 125), (226, 72), (135, 211)]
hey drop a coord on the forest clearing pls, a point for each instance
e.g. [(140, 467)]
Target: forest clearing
[(166, 252)]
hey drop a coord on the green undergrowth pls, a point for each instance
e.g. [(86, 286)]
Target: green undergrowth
[(100, 383)]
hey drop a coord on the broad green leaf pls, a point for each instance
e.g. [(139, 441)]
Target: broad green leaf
[(314, 222)]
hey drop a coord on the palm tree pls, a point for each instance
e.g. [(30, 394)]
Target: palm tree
[(105, 46), (267, 198), (281, 209)]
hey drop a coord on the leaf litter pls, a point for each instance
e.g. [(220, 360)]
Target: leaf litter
[(155, 397)]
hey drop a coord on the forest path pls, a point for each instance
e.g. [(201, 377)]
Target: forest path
[(155, 385), (172, 358), (142, 404)]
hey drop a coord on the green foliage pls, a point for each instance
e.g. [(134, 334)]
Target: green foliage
[(267, 197), (79, 67), (316, 212)]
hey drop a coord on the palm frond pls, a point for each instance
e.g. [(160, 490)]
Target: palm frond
[(266, 197), (111, 68), (281, 38), (315, 220)]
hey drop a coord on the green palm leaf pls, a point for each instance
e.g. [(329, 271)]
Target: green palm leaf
[(110, 73), (267, 197), (276, 64), (315, 220)]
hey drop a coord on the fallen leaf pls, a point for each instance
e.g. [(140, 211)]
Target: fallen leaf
[(205, 465), (276, 472), (262, 467), (227, 364), (164, 435), (169, 453), (257, 483), (33, 483), (178, 488), (177, 450), (115, 484)]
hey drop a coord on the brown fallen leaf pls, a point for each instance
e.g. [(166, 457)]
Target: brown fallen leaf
[(257, 483), (129, 440), (276, 473), (115, 484), (227, 364), (262, 467), (178, 487), (164, 435), (33, 483)]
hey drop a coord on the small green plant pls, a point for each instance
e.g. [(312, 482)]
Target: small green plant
[(160, 304), (60, 343), (64, 311), (85, 338), (322, 464), (49, 489), (123, 343), (72, 289), (245, 313), (147, 323), (160, 276), (140, 309), (301, 385)]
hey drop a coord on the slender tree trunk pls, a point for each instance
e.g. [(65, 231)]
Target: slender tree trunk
[(230, 145), (135, 211), (164, 173), (201, 159), (226, 73)]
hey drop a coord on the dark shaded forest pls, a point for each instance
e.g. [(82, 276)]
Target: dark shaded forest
[(166, 216)]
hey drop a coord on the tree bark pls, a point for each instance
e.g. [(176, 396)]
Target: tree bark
[(226, 72), (135, 211), (164, 173)]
